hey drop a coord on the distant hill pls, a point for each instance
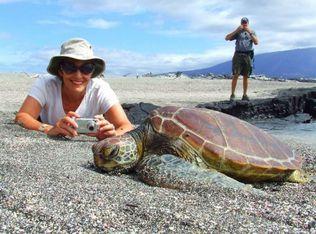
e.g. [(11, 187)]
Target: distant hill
[(298, 63)]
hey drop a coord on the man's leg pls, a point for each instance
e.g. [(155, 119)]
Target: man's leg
[(245, 87), (247, 69), (234, 83), (236, 72), (245, 84)]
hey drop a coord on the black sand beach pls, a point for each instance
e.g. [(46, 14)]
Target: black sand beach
[(51, 185)]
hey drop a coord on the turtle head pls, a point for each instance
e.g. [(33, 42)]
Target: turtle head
[(116, 154)]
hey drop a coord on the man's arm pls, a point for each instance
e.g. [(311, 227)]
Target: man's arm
[(253, 35), (254, 38), (231, 36)]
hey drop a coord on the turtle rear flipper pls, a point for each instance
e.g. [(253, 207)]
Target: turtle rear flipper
[(169, 171), (298, 176)]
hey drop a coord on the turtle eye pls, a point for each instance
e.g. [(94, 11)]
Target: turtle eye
[(114, 152)]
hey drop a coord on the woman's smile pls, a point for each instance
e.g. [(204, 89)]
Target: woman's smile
[(77, 82)]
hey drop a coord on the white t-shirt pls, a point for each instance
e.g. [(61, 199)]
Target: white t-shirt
[(98, 99)]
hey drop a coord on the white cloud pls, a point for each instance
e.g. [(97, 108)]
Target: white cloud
[(88, 7), (272, 19), (123, 62), (101, 23), (280, 25), (35, 60), (172, 32), (118, 62), (89, 23)]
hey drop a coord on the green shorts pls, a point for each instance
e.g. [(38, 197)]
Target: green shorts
[(242, 64)]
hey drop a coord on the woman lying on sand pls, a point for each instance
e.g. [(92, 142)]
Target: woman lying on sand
[(72, 92)]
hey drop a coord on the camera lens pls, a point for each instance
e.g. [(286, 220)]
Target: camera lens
[(91, 126)]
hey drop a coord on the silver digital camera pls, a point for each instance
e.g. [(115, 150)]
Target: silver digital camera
[(87, 125)]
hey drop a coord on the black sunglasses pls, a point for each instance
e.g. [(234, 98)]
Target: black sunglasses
[(69, 67)]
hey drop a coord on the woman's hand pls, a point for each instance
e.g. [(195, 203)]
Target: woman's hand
[(106, 129), (66, 126)]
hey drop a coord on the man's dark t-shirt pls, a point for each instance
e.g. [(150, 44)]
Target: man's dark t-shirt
[(244, 42)]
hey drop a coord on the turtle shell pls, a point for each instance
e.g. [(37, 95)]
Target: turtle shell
[(227, 144)]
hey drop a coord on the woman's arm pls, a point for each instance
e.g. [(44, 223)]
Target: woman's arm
[(28, 114)]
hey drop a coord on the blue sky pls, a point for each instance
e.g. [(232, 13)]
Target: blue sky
[(139, 36)]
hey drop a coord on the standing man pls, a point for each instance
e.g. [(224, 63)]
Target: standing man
[(243, 58)]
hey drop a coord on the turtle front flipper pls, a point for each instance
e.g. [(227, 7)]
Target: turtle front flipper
[(169, 171)]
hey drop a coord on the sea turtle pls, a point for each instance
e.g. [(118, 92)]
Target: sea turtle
[(176, 147)]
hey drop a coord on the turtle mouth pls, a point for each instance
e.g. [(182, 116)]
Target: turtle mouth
[(96, 148), (99, 158), (104, 164)]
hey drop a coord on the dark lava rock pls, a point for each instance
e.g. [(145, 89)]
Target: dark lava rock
[(287, 103), (290, 102), (137, 112), (311, 106)]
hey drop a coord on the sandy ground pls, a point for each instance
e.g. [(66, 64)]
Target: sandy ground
[(159, 91), (190, 92), (51, 185)]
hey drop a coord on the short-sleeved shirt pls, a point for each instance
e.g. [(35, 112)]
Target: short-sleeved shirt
[(98, 99), (243, 41)]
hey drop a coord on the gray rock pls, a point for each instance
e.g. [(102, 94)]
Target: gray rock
[(299, 118)]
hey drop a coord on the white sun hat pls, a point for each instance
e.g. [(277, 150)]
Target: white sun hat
[(79, 49)]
